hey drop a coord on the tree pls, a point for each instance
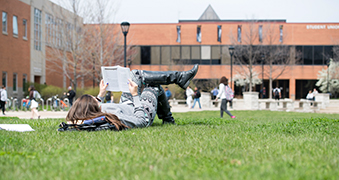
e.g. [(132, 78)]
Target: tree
[(103, 40), (328, 79), (65, 38), (242, 80), (261, 43), (275, 54), (245, 53)]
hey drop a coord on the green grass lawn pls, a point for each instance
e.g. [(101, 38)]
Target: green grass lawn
[(255, 145)]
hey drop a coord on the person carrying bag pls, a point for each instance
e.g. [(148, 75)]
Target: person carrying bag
[(226, 95)]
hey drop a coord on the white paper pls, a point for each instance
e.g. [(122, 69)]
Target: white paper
[(116, 77), (16, 127)]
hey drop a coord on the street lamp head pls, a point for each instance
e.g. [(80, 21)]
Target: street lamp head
[(231, 50), (124, 27)]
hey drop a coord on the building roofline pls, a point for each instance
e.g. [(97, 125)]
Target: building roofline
[(236, 20)]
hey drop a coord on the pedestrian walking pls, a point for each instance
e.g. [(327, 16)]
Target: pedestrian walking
[(214, 92), (3, 99), (197, 96), (226, 95), (33, 97), (70, 95), (189, 94)]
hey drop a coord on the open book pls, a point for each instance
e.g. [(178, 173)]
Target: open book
[(116, 77)]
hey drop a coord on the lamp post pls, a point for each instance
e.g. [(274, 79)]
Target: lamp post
[(262, 69), (93, 69), (328, 75), (231, 51), (124, 29)]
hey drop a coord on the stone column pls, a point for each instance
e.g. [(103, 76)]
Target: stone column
[(205, 99), (251, 100), (324, 98)]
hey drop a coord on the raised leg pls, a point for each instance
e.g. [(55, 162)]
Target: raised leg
[(168, 77)]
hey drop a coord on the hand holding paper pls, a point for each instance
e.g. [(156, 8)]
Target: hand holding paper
[(133, 87)]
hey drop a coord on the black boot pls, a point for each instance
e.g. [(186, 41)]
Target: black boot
[(163, 110), (167, 77)]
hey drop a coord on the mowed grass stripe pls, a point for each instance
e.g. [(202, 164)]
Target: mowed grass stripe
[(255, 145)]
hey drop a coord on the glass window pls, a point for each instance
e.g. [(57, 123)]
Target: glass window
[(260, 33), (308, 55), (205, 52), (145, 54), (195, 51), (199, 33), (4, 22), (4, 79), (15, 25), (239, 33), (299, 54), (186, 52), (178, 34), (328, 53), (37, 29), (24, 22), (15, 82), (59, 32), (219, 33), (24, 82), (318, 55), (281, 33)]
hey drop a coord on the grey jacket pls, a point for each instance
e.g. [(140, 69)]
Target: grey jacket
[(130, 113)]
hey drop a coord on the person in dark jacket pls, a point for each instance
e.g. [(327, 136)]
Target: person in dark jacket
[(70, 95), (197, 96), (136, 109)]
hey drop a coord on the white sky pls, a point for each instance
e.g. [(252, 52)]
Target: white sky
[(170, 11)]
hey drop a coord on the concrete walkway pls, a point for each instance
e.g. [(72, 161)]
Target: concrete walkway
[(180, 108), (62, 114)]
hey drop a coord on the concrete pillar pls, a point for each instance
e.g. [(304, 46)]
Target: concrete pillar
[(205, 99), (324, 98), (292, 89), (251, 100)]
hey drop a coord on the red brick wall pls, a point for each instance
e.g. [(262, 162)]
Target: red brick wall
[(166, 34), (15, 52)]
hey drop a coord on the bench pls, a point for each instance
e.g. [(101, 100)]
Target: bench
[(271, 104)]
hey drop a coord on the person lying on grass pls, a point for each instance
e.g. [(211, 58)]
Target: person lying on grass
[(137, 108)]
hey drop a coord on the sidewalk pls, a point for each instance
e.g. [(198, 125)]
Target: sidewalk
[(180, 109), (62, 114)]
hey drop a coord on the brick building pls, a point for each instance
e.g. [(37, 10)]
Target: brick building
[(15, 45), (206, 42), (25, 47), (31, 29)]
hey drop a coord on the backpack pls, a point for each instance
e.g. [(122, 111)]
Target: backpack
[(36, 95), (229, 93), (276, 92)]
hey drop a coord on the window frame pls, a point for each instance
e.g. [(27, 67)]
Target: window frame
[(4, 31), (239, 29), (37, 29), (2, 78), (24, 24), (15, 82), (24, 81), (15, 34)]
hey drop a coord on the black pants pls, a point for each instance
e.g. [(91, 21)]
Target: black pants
[(223, 107), (3, 106), (70, 100)]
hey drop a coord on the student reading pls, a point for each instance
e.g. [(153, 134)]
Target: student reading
[(137, 108)]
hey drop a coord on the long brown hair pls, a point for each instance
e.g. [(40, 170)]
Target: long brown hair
[(86, 107), (224, 80)]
